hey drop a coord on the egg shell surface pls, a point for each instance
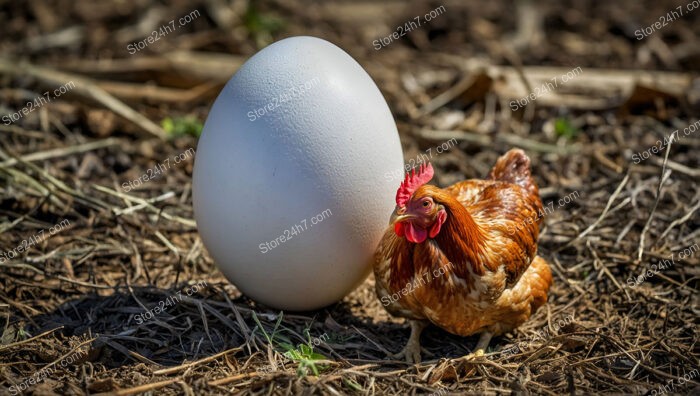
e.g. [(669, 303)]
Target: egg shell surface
[(290, 188)]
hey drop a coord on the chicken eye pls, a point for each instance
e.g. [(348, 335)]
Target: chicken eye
[(426, 204)]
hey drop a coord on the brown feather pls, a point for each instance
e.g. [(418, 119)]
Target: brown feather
[(480, 272)]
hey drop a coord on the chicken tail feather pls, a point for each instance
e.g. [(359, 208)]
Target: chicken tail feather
[(540, 283), (514, 167)]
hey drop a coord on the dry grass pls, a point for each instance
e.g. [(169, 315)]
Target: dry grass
[(76, 295)]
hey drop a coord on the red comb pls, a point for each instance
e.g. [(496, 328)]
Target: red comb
[(411, 183)]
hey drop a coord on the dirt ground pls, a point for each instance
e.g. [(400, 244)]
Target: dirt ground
[(85, 257)]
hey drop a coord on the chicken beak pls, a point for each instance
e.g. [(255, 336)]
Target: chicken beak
[(400, 215), (399, 218)]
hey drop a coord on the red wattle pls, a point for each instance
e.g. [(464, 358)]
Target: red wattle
[(435, 229), (399, 229), (416, 234)]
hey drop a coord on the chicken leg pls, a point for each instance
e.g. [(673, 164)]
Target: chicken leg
[(411, 352), (481, 346)]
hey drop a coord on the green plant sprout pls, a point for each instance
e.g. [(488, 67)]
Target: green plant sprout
[(564, 127), (179, 126), (303, 354)]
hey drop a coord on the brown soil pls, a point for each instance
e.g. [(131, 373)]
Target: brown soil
[(70, 302)]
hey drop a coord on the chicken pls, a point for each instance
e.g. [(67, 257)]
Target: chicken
[(464, 258)]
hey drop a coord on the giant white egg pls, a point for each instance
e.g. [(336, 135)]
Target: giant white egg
[(290, 187)]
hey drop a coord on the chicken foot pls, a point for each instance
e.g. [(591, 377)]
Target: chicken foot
[(411, 352), (481, 345)]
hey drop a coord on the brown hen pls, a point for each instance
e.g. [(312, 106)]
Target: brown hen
[(464, 257)]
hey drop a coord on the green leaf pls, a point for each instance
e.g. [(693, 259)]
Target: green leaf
[(314, 369), (179, 126), (260, 326), (305, 350), (261, 26), (316, 356), (563, 127), (23, 335), (353, 385)]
